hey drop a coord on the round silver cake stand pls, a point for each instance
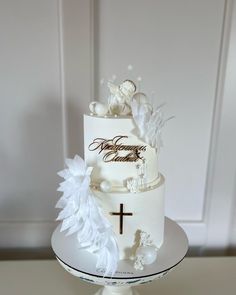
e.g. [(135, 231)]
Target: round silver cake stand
[(82, 264)]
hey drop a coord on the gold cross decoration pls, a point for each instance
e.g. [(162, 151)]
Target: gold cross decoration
[(121, 214)]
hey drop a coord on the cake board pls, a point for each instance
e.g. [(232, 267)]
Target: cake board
[(82, 264)]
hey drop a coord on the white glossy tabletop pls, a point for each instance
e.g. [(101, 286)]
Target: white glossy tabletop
[(194, 276)]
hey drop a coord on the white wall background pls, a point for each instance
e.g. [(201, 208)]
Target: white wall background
[(53, 55)]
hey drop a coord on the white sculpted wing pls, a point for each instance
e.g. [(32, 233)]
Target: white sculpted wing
[(82, 215), (141, 114), (149, 122)]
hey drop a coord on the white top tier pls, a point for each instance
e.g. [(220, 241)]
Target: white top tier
[(116, 153)]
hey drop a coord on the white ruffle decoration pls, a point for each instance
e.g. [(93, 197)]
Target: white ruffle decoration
[(149, 122), (81, 214)]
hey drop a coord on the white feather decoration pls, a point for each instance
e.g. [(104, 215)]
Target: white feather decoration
[(81, 214), (149, 122)]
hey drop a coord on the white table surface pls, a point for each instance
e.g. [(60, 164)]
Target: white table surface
[(194, 276)]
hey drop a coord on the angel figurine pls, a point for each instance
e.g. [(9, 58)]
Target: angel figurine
[(120, 98)]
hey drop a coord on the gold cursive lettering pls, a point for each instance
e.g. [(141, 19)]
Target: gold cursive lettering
[(113, 147)]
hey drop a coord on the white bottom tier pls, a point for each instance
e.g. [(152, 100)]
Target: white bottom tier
[(147, 209)]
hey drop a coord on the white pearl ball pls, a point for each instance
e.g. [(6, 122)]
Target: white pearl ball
[(105, 186), (149, 254), (140, 97), (98, 108), (101, 109)]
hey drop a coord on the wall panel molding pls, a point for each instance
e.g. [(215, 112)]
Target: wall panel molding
[(61, 64), (70, 46), (78, 68), (218, 214), (214, 230), (31, 149)]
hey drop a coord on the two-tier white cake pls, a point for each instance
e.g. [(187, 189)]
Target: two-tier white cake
[(114, 198)]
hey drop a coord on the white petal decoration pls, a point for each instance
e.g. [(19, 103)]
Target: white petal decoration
[(81, 214), (149, 122)]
